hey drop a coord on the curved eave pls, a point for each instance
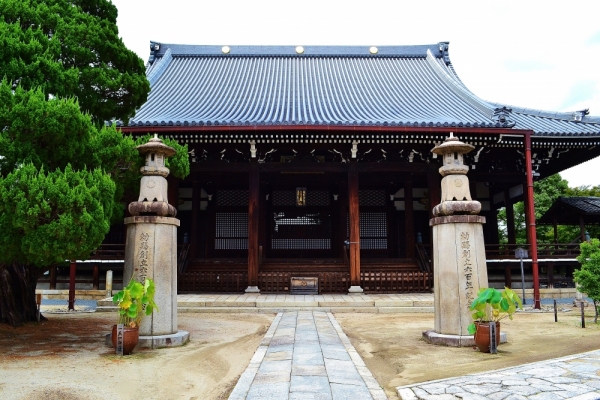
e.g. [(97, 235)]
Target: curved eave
[(333, 128)]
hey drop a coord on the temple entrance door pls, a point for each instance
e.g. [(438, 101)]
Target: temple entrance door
[(300, 223)]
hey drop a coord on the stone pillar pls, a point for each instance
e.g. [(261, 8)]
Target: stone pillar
[(154, 256), (151, 248), (458, 249)]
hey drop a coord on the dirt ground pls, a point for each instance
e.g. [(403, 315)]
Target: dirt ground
[(395, 353), (65, 357)]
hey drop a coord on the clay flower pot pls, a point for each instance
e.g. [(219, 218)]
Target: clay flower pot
[(482, 336), (131, 336)]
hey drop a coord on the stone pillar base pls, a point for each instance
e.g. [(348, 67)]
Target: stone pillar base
[(433, 337), (355, 290), (252, 289)]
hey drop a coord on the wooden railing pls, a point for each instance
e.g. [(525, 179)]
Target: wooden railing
[(220, 281), (87, 274), (396, 282), (109, 252), (550, 250)]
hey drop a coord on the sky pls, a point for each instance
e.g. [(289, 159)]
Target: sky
[(527, 53)]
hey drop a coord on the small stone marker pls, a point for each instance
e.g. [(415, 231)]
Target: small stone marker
[(120, 332), (493, 344), (521, 254)]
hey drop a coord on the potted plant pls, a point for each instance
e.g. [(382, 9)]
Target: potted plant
[(134, 301), (491, 305)]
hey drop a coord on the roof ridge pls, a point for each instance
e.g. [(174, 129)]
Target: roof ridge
[(296, 50), (559, 115), (460, 89), (158, 67)]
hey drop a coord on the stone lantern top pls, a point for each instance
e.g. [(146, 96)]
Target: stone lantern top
[(456, 195), (153, 185), (452, 151), (156, 152), (155, 145)]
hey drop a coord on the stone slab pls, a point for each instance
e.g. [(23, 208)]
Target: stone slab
[(404, 310), (346, 303), (276, 304), (394, 303)]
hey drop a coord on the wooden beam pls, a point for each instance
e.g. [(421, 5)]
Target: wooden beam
[(308, 167), (353, 215)]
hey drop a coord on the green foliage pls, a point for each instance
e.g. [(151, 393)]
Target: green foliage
[(492, 305), (50, 217), (72, 48), (135, 301), (545, 193), (588, 277)]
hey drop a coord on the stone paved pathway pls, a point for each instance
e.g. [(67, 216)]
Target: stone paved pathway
[(306, 355), (574, 377)]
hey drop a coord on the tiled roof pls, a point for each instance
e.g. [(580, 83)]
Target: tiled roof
[(567, 210), (327, 85)]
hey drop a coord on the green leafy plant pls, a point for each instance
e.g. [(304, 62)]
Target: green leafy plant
[(134, 301), (588, 277), (492, 305)]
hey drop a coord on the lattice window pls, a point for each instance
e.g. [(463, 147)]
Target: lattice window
[(373, 230), (317, 197), (301, 244), (371, 198), (231, 231), (231, 244), (373, 244), (299, 230), (232, 198), (284, 198), (373, 224)]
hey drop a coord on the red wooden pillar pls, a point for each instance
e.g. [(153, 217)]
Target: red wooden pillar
[(409, 220), (530, 215), (72, 285), (343, 217), (353, 216), (510, 219), (95, 277), (173, 191), (194, 236), (434, 187), (52, 278), (582, 228), (253, 228)]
